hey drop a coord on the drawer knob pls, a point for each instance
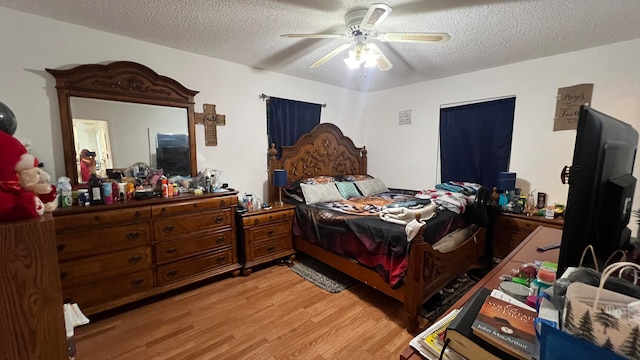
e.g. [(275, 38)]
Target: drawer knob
[(171, 273), (137, 214), (134, 259), (167, 229), (271, 248), (221, 259), (61, 247), (220, 239), (270, 217), (133, 235), (63, 275), (219, 219), (170, 250), (222, 203), (195, 205), (269, 232), (96, 218), (136, 283), (256, 221), (163, 210)]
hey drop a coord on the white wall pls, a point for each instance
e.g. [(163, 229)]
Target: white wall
[(409, 157), (29, 44)]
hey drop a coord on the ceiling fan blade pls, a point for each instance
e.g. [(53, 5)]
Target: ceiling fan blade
[(413, 37), (374, 16), (382, 62), (330, 55), (313, 36)]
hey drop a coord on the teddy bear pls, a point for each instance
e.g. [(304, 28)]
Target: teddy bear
[(24, 189)]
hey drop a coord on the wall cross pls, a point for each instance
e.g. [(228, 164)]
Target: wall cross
[(210, 119)]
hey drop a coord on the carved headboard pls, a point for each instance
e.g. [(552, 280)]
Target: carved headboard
[(323, 151)]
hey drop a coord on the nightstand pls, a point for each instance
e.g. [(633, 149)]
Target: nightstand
[(511, 229), (266, 235)]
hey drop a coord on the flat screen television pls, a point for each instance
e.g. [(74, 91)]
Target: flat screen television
[(601, 188)]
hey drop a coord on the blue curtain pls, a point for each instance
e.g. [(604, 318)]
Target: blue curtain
[(287, 120), (475, 141)]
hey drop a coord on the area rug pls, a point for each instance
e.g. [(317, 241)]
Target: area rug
[(321, 275), (441, 302)]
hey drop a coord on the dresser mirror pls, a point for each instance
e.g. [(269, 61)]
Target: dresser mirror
[(121, 114)]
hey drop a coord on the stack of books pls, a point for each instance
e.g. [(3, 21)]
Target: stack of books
[(493, 326), (429, 343)]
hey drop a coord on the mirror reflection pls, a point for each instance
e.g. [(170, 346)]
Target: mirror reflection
[(115, 135)]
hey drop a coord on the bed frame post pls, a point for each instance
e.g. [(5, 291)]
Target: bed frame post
[(415, 282), (273, 157), (363, 160)]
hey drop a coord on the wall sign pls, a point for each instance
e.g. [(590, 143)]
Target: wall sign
[(211, 120), (568, 104)]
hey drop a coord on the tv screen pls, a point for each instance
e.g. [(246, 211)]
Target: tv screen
[(601, 188)]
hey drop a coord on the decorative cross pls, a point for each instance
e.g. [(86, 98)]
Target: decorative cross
[(210, 120)]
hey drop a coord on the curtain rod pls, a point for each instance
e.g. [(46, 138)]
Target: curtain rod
[(469, 102), (266, 97)]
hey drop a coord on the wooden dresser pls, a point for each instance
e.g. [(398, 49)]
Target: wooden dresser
[(111, 255), (266, 235), (31, 314), (511, 229)]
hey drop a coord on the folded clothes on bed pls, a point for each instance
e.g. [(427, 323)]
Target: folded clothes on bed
[(403, 216)]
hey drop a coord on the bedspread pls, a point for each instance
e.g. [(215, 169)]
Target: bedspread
[(374, 243)]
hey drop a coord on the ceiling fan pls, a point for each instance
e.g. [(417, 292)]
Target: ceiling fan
[(361, 28)]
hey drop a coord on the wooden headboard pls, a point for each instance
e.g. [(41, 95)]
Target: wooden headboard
[(323, 151)]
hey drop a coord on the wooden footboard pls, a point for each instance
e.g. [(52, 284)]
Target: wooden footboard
[(429, 271)]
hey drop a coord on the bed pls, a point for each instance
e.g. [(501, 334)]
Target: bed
[(325, 151)]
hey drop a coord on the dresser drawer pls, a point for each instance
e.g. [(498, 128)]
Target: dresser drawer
[(88, 241), (194, 205), (266, 218), (106, 265), (267, 248), (184, 225), (184, 268), (109, 289), (99, 218), (177, 249), (261, 233)]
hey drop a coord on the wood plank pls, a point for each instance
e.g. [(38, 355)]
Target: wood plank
[(271, 314)]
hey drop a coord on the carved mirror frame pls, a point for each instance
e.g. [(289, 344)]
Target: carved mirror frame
[(124, 81)]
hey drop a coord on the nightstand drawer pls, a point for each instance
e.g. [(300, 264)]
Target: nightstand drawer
[(192, 266), (273, 246), (176, 249), (516, 225), (107, 265), (91, 242), (184, 225), (266, 232), (267, 218)]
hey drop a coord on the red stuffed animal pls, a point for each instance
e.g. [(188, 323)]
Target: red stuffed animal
[(24, 189)]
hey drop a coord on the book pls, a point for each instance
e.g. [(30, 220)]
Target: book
[(429, 342), (507, 326), (460, 337)]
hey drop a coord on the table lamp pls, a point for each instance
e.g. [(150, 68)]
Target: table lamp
[(279, 180)]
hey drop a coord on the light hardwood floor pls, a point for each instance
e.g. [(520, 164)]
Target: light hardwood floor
[(271, 314)]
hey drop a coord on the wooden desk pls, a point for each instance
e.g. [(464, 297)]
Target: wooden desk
[(524, 253)]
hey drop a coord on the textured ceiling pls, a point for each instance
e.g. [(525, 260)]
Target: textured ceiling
[(484, 33)]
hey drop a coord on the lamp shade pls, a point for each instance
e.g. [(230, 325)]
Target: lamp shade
[(280, 177)]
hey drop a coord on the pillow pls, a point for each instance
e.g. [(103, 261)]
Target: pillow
[(347, 189), (318, 180), (320, 193), (353, 178), (371, 186)]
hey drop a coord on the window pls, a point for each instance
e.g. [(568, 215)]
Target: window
[(475, 141), (287, 120)]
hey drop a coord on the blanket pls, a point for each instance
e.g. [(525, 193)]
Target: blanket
[(404, 215)]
